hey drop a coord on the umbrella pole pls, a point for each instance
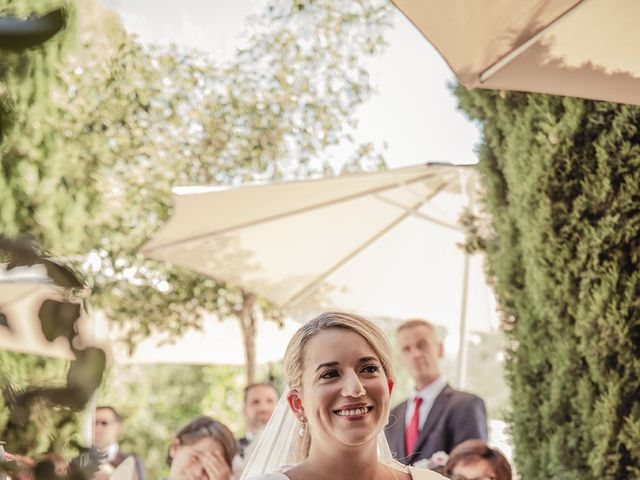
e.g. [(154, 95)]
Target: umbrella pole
[(89, 421), (468, 185), (463, 345)]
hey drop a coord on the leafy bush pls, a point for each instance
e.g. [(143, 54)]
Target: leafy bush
[(562, 194)]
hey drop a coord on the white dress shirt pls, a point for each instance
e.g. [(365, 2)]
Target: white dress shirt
[(428, 395)]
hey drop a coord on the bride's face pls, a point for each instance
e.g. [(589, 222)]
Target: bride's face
[(345, 392)]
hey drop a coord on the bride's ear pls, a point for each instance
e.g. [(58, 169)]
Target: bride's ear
[(295, 402), (173, 449)]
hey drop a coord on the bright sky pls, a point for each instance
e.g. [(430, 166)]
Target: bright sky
[(413, 111)]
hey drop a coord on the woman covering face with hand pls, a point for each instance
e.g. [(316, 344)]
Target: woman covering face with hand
[(202, 450), (329, 423), (475, 460)]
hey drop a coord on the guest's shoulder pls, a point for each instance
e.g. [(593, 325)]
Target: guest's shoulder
[(399, 406), (463, 397)]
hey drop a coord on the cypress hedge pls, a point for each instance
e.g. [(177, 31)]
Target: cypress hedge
[(561, 231)]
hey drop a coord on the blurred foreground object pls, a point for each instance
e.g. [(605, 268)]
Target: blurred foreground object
[(58, 318), (23, 290), (23, 33)]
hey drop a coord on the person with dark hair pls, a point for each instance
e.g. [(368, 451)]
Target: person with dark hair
[(435, 417), (203, 449), (259, 401), (475, 460), (107, 432)]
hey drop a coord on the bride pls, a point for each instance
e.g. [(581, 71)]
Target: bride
[(328, 426)]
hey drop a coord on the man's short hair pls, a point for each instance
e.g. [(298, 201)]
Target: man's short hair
[(418, 322), (259, 384), (116, 415)]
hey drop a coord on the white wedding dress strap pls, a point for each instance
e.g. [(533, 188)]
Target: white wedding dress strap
[(424, 474), (416, 474)]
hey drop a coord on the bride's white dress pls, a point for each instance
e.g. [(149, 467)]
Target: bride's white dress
[(416, 474)]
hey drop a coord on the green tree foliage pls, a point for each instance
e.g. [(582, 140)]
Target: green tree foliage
[(562, 191), (30, 158), (21, 371), (124, 123), (97, 128), (271, 113)]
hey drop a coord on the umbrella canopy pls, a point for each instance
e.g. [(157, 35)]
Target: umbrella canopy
[(381, 244), (218, 343), (580, 48)]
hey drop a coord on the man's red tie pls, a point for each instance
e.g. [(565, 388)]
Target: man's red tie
[(412, 430)]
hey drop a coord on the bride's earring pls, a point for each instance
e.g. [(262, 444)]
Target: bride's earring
[(303, 424)]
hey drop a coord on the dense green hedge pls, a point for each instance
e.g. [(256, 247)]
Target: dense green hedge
[(562, 190)]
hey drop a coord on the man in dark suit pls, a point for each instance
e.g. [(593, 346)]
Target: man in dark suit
[(260, 400), (435, 417), (107, 431)]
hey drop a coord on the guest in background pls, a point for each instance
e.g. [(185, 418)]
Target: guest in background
[(108, 430), (436, 417), (59, 462), (23, 463), (203, 449), (259, 401), (475, 460)]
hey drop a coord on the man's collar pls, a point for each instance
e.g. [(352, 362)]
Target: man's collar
[(111, 451), (431, 391)]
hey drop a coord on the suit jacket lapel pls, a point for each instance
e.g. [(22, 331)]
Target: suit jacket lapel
[(439, 405), (118, 459)]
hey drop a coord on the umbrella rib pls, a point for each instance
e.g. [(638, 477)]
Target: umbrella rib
[(421, 215), (279, 216), (516, 52), (321, 278)]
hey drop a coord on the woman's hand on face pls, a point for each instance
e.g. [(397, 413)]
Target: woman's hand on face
[(215, 466)]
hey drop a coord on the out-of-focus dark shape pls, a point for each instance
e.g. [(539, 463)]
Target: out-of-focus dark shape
[(23, 33), (84, 465), (58, 319), (24, 252)]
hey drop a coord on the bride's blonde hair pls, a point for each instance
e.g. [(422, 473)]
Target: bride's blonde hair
[(295, 353)]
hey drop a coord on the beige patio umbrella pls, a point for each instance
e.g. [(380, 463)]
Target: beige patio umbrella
[(383, 244), (580, 48)]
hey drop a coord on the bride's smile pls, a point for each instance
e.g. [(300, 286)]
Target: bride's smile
[(345, 392), (353, 412)]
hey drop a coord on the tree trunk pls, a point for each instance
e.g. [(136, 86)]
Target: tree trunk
[(246, 317)]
